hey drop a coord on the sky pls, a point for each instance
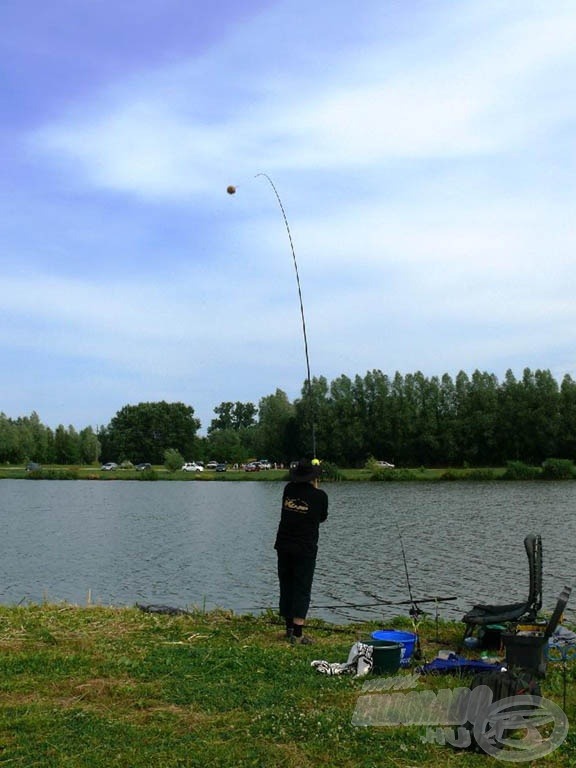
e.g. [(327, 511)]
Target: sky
[(423, 152)]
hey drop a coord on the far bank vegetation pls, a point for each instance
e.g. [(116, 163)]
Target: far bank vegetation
[(526, 425)]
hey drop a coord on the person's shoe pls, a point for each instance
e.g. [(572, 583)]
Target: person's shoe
[(289, 635), (302, 640)]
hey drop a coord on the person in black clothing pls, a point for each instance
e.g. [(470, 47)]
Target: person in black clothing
[(304, 507)]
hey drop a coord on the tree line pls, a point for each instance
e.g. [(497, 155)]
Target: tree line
[(27, 439), (409, 419)]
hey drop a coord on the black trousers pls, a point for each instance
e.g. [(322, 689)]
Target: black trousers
[(295, 574)]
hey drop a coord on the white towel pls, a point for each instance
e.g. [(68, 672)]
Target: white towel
[(359, 662)]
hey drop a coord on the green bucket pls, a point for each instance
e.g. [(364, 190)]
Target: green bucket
[(386, 657)]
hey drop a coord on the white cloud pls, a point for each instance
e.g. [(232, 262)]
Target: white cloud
[(477, 94), (425, 158)]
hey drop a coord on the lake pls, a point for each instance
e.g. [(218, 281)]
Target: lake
[(210, 544)]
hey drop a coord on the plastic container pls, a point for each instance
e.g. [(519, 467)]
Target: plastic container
[(386, 657), (407, 641)]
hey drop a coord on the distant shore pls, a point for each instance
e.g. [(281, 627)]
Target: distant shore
[(514, 471)]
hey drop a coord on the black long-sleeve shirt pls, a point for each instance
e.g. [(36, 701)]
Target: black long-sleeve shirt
[(304, 507)]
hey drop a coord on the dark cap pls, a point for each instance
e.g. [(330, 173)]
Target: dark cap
[(305, 471)]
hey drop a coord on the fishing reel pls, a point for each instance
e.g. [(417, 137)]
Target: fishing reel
[(415, 612)]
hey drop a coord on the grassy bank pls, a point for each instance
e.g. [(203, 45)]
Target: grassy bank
[(551, 469), (60, 472), (105, 687)]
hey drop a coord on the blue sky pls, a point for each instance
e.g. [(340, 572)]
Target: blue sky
[(423, 150)]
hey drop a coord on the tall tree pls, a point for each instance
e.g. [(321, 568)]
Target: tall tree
[(67, 445), (377, 415), (89, 446), (10, 451), (542, 420), (313, 419), (275, 414), (344, 427), (233, 416), (508, 422), (447, 421), (567, 425), (226, 445), (145, 431), (478, 417), (529, 417)]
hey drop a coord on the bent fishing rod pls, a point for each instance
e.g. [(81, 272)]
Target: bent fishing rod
[(231, 189)]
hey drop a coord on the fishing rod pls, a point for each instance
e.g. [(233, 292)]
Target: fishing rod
[(380, 603), (387, 602), (415, 612), (231, 191)]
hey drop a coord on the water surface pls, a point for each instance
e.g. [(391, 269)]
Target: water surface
[(209, 544)]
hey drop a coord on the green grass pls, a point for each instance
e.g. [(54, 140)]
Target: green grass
[(101, 687), (59, 472)]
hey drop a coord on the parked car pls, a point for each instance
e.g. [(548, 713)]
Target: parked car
[(265, 464), (221, 467), (384, 465), (252, 467), (109, 466), (191, 466), (33, 466), (212, 465), (143, 466)]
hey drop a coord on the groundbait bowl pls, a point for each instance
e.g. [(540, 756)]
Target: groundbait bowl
[(406, 640)]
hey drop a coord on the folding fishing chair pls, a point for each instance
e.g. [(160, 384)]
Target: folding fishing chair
[(528, 651), (485, 615)]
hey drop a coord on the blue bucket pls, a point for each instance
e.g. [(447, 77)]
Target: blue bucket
[(407, 641)]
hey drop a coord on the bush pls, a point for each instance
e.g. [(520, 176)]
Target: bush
[(147, 474), (173, 459), (371, 464), (558, 469), (392, 475), (449, 476), (53, 474), (517, 470), (331, 471), (479, 474)]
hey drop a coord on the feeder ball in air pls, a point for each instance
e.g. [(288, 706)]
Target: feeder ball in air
[(231, 190)]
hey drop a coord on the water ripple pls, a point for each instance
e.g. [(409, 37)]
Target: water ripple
[(211, 544)]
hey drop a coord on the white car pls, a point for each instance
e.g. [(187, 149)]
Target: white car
[(109, 466), (191, 466), (212, 465)]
